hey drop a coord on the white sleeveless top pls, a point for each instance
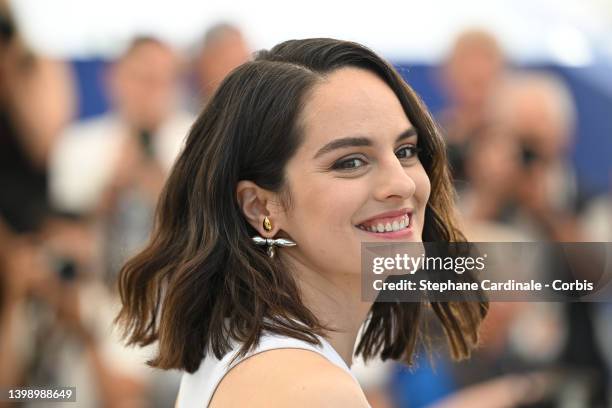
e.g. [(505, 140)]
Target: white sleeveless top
[(197, 389)]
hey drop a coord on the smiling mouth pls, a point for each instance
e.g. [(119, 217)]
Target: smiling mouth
[(387, 224)]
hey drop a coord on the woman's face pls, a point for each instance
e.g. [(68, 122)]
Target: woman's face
[(356, 176)]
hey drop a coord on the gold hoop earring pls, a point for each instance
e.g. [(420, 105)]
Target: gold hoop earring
[(267, 224)]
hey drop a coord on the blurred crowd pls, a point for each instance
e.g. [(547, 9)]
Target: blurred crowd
[(78, 198)]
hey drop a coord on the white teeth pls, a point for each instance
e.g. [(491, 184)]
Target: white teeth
[(396, 225)]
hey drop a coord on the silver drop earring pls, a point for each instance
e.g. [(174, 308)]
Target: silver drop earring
[(272, 243)]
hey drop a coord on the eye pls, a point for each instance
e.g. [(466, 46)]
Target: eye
[(349, 164), (407, 152)]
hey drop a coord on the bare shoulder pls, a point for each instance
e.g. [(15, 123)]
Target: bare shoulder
[(288, 377)]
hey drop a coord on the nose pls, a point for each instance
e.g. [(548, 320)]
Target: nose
[(393, 181)]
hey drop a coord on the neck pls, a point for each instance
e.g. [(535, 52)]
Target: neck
[(335, 299)]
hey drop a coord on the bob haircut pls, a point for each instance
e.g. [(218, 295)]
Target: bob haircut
[(200, 281)]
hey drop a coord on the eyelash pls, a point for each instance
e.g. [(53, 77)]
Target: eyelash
[(339, 165)]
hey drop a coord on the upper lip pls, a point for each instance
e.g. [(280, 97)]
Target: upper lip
[(388, 214)]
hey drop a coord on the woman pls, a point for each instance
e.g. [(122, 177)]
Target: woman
[(319, 143)]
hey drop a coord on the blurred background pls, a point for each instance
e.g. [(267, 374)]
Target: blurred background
[(96, 98)]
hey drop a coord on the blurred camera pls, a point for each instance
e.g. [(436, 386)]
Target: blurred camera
[(145, 138), (529, 155), (64, 266), (7, 28)]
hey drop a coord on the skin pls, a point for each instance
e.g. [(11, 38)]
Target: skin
[(219, 59), (327, 205), (471, 75), (473, 70), (534, 113), (143, 85)]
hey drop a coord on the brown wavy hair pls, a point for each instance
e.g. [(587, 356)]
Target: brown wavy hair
[(201, 281)]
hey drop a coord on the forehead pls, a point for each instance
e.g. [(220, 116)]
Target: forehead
[(150, 56), (352, 102)]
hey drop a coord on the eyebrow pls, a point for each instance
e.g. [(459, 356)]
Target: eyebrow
[(355, 141)]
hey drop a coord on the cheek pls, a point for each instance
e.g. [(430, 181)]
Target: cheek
[(321, 222), (423, 187), (328, 204), (422, 190)]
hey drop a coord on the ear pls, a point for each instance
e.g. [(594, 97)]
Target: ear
[(255, 203)]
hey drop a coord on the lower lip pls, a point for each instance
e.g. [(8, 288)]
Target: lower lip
[(403, 233)]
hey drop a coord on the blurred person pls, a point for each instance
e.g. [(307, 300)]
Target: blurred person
[(223, 48), (142, 133), (36, 101), (114, 166), (250, 283), (107, 172), (46, 341), (538, 110), (17, 267), (471, 75)]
